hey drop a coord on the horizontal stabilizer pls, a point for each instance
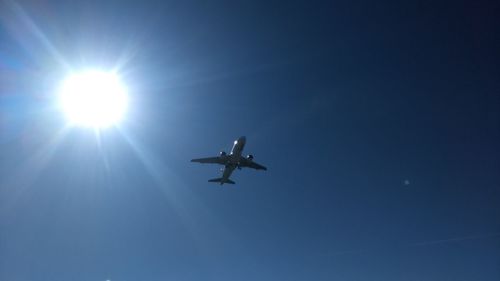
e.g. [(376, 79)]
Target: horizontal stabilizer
[(221, 181)]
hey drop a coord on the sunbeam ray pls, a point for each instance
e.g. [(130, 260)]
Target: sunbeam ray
[(21, 17)]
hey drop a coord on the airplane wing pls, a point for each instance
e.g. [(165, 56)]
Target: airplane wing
[(244, 162), (213, 160)]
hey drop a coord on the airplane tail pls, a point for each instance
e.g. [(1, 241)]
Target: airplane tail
[(220, 180)]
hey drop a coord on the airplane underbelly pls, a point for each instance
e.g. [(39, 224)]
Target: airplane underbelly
[(238, 146), (235, 159), (227, 172)]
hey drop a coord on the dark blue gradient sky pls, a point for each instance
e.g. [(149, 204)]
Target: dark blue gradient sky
[(379, 123)]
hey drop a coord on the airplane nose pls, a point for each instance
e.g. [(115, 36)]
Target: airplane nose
[(242, 139)]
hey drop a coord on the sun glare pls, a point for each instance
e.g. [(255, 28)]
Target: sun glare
[(94, 98)]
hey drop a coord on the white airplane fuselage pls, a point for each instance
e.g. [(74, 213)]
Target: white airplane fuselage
[(234, 158), (237, 149)]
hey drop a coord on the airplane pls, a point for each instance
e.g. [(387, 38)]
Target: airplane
[(231, 161)]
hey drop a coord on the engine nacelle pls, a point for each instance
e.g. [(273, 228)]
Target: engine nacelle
[(250, 157), (222, 153)]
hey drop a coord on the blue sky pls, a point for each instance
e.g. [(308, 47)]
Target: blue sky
[(344, 102)]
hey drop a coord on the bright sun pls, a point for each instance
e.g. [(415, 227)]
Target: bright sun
[(93, 98)]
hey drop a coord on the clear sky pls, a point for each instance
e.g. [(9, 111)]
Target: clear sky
[(379, 123)]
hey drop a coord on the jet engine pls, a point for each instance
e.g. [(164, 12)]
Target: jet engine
[(250, 157), (222, 153)]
